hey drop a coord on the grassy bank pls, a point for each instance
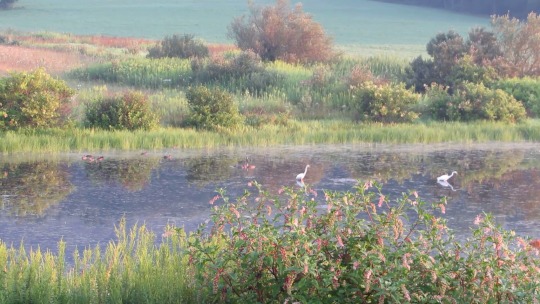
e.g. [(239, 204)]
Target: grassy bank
[(293, 133)]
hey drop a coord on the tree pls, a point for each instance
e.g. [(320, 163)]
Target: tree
[(7, 4), (520, 45), (276, 32)]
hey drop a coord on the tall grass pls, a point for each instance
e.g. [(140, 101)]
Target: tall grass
[(132, 269), (290, 132)]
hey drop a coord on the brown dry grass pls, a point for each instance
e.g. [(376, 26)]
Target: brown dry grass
[(19, 59), (36, 51)]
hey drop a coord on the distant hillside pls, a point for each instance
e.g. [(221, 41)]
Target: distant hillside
[(516, 8)]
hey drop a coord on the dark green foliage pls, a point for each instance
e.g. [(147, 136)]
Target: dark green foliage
[(420, 73), (181, 46), (455, 61), (482, 45), (385, 103), (474, 102), (446, 49), (34, 100), (212, 108), (519, 8), (130, 111), (7, 4), (526, 90)]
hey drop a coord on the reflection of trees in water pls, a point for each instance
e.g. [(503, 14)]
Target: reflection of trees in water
[(29, 189), (133, 174), (386, 166), (473, 167), (204, 170)]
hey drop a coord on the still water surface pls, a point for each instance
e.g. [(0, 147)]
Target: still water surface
[(48, 198)]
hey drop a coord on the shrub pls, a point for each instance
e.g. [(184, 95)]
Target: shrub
[(181, 46), (34, 100), (362, 248), (278, 33), (130, 111), (439, 102), (526, 90), (384, 103), (420, 73), (243, 71), (211, 108), (474, 102)]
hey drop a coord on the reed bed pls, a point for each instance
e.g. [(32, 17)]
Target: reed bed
[(135, 268), (293, 132)]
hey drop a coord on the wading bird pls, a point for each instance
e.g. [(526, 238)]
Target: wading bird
[(302, 175), (444, 178)]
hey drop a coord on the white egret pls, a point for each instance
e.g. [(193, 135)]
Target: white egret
[(446, 177), (446, 184), (302, 175)]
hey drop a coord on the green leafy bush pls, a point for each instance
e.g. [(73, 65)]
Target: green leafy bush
[(130, 111), (363, 247), (212, 108), (181, 46), (384, 103), (34, 99), (474, 102), (526, 90)]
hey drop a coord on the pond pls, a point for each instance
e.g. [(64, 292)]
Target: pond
[(61, 196)]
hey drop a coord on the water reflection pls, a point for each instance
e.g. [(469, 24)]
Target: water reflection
[(133, 174), (29, 189), (446, 184), (81, 201)]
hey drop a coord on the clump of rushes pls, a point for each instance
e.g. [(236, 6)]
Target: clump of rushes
[(132, 269), (361, 247)]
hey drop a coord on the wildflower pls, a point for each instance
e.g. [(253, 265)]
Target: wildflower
[(478, 220), (355, 265), (340, 241), (535, 243), (415, 194), (213, 200), (250, 184), (281, 190), (167, 234), (381, 200), (443, 208), (233, 210), (405, 292), (405, 261)]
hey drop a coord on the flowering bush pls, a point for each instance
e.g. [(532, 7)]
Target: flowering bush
[(34, 100), (359, 247)]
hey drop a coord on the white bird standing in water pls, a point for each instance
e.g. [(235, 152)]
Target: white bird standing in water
[(446, 177), (302, 175)]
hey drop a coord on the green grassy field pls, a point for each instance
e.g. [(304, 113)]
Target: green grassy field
[(357, 26)]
